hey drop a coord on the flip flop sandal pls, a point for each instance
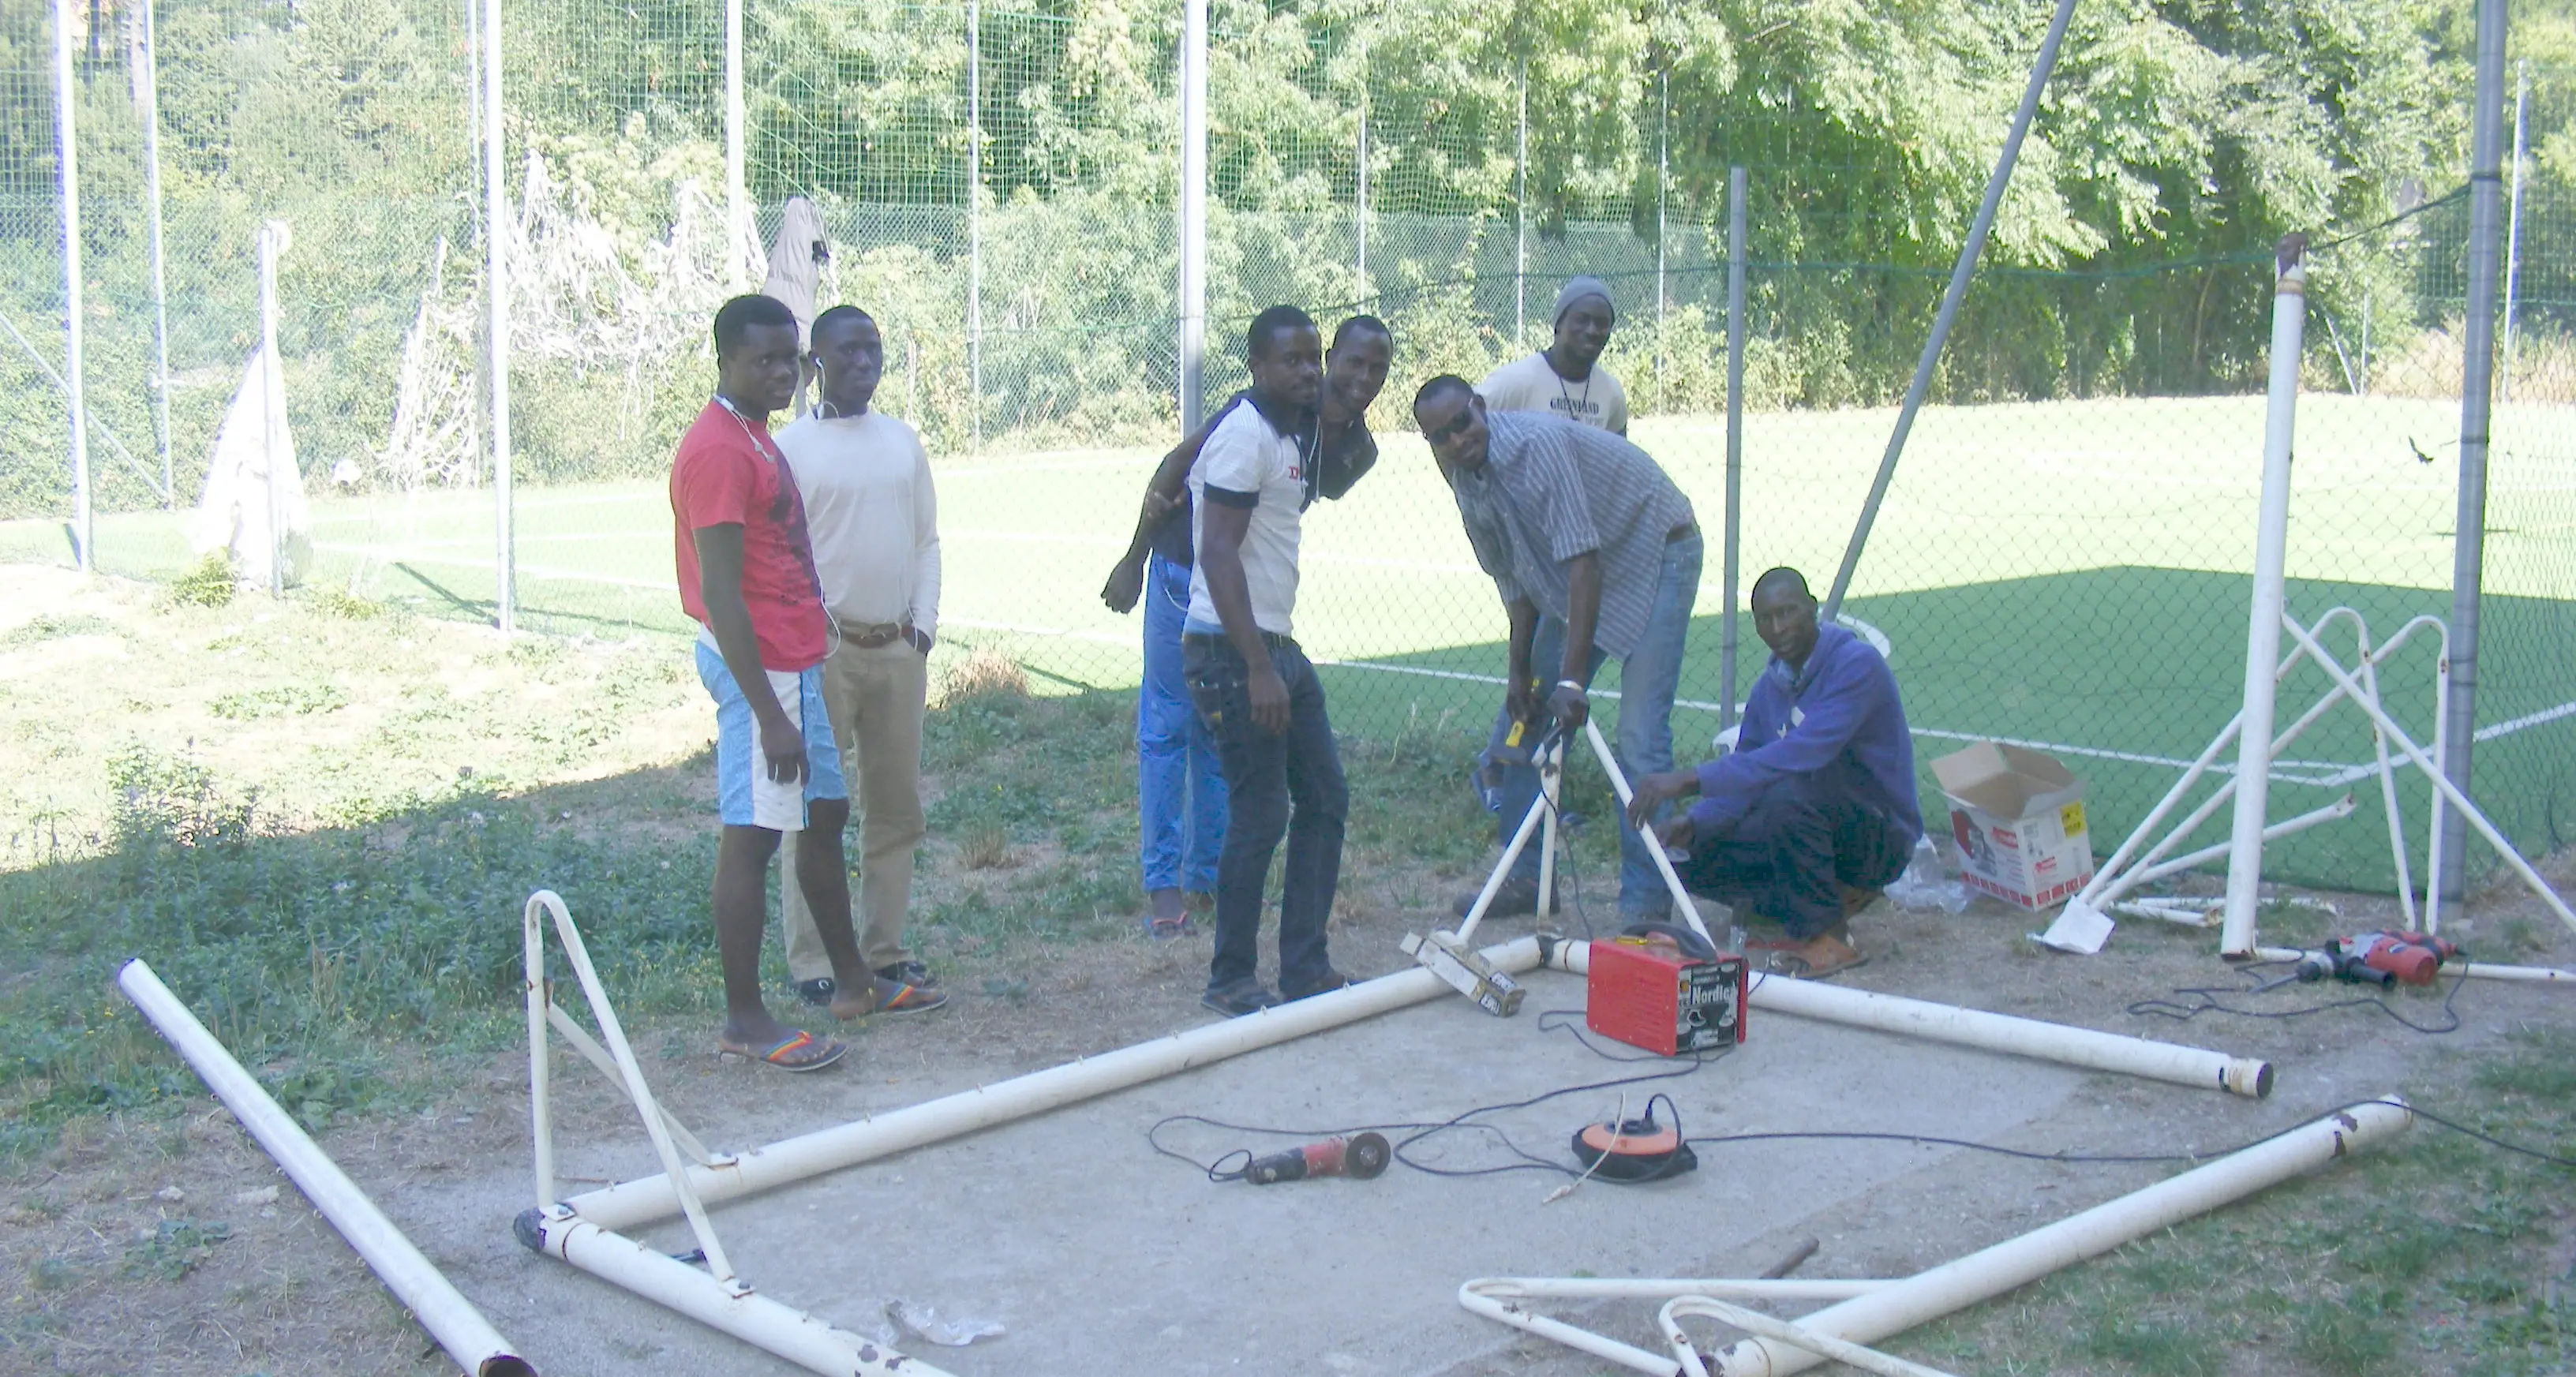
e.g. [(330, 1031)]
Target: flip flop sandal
[(908, 999), (795, 1052), (1799, 968)]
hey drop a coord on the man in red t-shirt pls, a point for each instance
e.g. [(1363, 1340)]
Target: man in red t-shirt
[(747, 576)]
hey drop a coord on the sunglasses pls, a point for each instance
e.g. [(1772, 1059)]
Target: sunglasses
[(1457, 425)]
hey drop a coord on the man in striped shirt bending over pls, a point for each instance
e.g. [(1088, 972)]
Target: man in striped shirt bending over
[(1578, 525)]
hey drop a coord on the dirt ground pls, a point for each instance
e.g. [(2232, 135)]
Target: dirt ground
[(1224, 1278)]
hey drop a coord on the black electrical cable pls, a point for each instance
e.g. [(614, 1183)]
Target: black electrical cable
[(2208, 1000)]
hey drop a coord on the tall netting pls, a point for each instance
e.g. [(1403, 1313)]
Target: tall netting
[(2062, 558)]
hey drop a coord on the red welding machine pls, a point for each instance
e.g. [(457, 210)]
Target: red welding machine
[(1665, 989)]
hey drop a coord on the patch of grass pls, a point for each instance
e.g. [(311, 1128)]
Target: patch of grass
[(176, 1248), (348, 606), (985, 848), (2429, 1253), (45, 626), (285, 700), (54, 1274), (211, 583)]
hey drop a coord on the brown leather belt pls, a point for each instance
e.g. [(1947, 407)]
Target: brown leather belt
[(870, 635)]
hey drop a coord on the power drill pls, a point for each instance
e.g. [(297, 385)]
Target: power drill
[(2412, 958)]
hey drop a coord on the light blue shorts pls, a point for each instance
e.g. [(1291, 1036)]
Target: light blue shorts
[(745, 794)]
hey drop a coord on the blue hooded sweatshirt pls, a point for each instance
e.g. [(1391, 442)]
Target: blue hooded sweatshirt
[(1839, 717)]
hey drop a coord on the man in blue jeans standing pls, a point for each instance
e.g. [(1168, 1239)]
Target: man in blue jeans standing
[(1587, 538), (1252, 684), (1180, 787)]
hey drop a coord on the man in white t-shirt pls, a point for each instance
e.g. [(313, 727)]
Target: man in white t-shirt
[(874, 522), (1566, 379), (1252, 685)]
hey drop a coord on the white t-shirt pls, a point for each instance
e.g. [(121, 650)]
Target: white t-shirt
[(1530, 385), (872, 515), (1247, 463)]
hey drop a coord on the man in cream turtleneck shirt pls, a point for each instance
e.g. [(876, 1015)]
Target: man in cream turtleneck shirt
[(874, 521)]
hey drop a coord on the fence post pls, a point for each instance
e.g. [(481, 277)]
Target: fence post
[(2040, 68), (1663, 178), (1193, 199), (2477, 378), (147, 84), (1360, 187), (496, 344), (272, 412), (738, 235), (1520, 221), (1734, 433), (2513, 230), (67, 166), (974, 227)]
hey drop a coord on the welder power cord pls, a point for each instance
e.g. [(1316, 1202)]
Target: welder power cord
[(2208, 999)]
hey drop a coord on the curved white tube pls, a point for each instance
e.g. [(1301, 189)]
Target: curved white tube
[(448, 1316), (2028, 1037), (2018, 1261), (1755, 1322), (1498, 1298)]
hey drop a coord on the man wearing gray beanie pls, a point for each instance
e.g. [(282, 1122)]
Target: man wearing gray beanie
[(1565, 380)]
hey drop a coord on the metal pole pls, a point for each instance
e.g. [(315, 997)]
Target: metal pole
[(67, 164), (2263, 625), (272, 242), (1193, 303), (496, 341), (1734, 434), (1520, 219), (2513, 229), (737, 199), (147, 80), (1949, 314), (1663, 176), (1360, 190), (2477, 377), (974, 227)]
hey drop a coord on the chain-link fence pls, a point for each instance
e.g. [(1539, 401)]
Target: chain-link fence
[(2062, 558)]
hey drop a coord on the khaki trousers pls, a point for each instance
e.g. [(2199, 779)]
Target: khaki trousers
[(875, 697)]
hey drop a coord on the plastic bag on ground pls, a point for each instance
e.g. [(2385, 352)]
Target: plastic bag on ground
[(922, 1322), (1926, 886)]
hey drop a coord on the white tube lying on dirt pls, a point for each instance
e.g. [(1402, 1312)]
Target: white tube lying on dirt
[(650, 1198), (738, 1310), (448, 1316), (2027, 1037), (1499, 1299), (2018, 1261)]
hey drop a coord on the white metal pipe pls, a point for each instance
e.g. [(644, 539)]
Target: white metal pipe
[(496, 339), (577, 955), (792, 1334), (541, 1129), (2018, 1261), (67, 169), (2469, 810), (600, 1060), (1507, 1310), (864, 1140), (1665, 1288), (1520, 219), (1755, 1322), (1728, 633), (2513, 227), (1654, 844), (974, 227), (272, 246), (2387, 777), (2340, 808), (2439, 852), (1551, 788), (1963, 1027), (2263, 626), (1530, 822), (1193, 216), (2474, 970), (448, 1316)]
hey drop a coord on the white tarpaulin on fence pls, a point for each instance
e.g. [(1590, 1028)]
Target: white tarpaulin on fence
[(253, 487)]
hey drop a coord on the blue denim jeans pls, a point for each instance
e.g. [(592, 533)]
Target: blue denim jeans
[(1180, 785), (1649, 679), (1286, 784)]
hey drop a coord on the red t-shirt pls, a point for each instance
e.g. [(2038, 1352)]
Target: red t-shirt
[(723, 475)]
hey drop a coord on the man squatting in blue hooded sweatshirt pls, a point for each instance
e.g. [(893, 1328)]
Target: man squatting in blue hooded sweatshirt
[(1814, 810)]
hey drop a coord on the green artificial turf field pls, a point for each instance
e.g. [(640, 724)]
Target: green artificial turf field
[(2068, 574)]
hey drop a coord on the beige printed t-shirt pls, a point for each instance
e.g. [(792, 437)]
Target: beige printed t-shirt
[(1530, 385)]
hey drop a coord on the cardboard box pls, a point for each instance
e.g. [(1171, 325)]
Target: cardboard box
[(2018, 817)]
